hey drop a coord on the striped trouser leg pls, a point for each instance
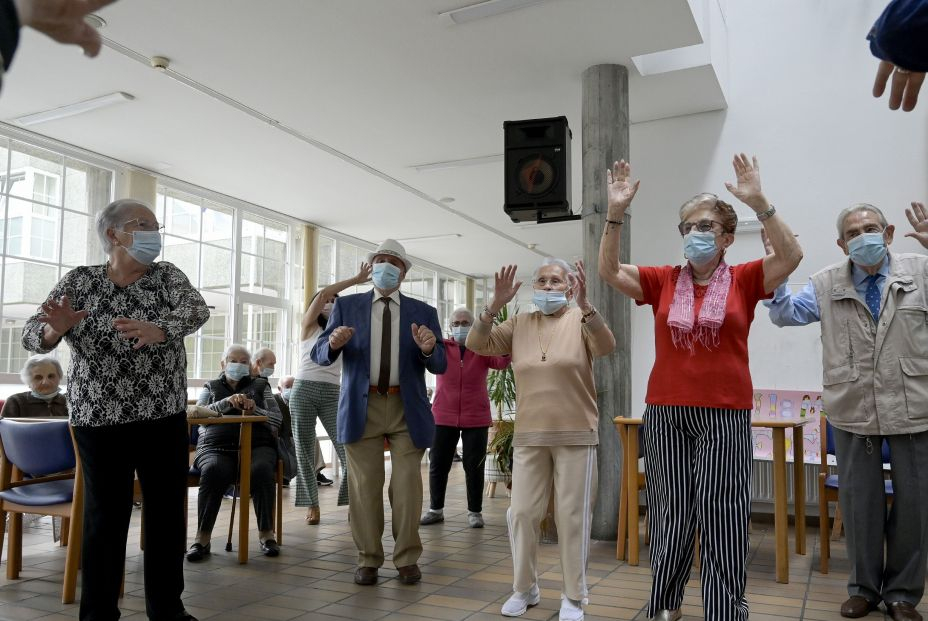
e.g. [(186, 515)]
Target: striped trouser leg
[(328, 414), (308, 402), (723, 467), (668, 462)]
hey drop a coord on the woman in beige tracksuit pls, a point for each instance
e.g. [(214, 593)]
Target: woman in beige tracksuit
[(556, 430)]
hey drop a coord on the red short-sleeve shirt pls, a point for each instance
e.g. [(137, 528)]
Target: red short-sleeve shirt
[(718, 377)]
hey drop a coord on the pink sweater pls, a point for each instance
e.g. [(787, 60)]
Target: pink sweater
[(461, 391)]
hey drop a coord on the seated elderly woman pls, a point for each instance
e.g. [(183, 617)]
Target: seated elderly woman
[(233, 393), (42, 374)]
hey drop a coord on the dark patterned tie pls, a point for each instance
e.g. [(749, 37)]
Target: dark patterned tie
[(872, 297), (383, 381)]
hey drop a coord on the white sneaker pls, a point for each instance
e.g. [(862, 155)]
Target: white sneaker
[(570, 610), (518, 603), (475, 520), (668, 615)]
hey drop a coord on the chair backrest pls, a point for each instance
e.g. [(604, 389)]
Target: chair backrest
[(38, 447), (828, 443)]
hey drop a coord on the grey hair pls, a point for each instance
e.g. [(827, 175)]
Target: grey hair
[(286, 379), (261, 353), (233, 348), (112, 218), (561, 263), (842, 217), (26, 374), (463, 310)]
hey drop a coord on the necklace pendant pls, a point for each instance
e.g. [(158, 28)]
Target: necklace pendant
[(544, 357)]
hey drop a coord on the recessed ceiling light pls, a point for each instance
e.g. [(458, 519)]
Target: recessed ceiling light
[(73, 109), (482, 10), (447, 199)]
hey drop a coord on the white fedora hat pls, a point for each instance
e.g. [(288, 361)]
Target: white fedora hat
[(392, 248)]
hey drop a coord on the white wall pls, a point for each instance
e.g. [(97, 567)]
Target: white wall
[(800, 74)]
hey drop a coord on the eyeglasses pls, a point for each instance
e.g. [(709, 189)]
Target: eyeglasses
[(703, 226), (460, 324), (143, 225), (554, 282)]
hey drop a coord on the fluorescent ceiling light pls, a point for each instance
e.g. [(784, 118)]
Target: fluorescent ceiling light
[(73, 109), (489, 8), (412, 240), (673, 60), (469, 161)]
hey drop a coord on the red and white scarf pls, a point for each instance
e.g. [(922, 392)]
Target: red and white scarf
[(686, 329)]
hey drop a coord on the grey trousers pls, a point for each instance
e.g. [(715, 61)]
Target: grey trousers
[(899, 575)]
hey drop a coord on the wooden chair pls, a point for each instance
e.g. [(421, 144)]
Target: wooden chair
[(45, 450), (828, 486)]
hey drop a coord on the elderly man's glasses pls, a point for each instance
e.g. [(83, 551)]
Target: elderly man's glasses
[(703, 226), (460, 324), (554, 282), (143, 225)]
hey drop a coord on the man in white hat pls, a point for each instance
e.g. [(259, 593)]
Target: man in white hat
[(387, 341)]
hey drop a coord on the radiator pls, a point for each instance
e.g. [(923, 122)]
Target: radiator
[(762, 486)]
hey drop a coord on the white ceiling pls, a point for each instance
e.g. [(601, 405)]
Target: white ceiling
[(386, 84)]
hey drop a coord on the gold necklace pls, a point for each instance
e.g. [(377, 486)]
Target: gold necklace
[(544, 348)]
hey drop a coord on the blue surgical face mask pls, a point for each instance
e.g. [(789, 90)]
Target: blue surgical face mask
[(285, 394), (386, 276), (236, 370), (266, 372), (146, 246), (459, 333), (549, 302), (47, 397), (867, 250), (699, 248)]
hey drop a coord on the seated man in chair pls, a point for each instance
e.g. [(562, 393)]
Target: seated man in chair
[(236, 392)]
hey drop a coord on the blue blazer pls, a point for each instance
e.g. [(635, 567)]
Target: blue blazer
[(354, 311)]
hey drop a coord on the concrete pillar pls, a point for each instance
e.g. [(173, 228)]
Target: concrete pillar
[(138, 185), (310, 243), (605, 139)]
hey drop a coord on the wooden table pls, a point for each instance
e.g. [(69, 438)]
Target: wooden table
[(628, 493), (244, 471)]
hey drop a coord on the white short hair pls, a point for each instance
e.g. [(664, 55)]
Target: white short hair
[(233, 348), (561, 263), (463, 310), (39, 359), (261, 353), (842, 217), (113, 216)]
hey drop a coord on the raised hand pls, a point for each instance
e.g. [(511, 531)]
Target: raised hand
[(748, 191), (59, 316), (619, 189), (506, 286), (364, 274), (145, 332), (340, 337), (904, 89), (578, 286), (424, 338), (63, 20), (918, 218)]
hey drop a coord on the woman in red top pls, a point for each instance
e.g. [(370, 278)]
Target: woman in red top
[(698, 456), (462, 410)]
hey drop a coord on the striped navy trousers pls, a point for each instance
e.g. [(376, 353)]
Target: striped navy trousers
[(698, 464)]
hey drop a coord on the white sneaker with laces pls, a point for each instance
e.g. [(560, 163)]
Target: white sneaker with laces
[(570, 610), (518, 602)]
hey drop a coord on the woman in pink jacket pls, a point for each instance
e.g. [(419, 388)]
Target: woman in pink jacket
[(462, 410)]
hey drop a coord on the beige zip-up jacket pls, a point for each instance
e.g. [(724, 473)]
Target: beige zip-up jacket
[(875, 373)]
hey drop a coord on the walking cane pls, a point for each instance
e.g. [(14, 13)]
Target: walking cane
[(235, 488)]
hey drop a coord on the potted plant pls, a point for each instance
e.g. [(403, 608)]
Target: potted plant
[(501, 387)]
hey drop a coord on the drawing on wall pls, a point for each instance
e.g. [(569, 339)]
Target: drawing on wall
[(786, 404)]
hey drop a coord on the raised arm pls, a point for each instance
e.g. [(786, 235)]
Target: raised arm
[(484, 338), (598, 335), (620, 192), (325, 296), (786, 250)]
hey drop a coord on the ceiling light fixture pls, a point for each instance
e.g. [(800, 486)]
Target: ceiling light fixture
[(73, 109), (482, 10), (467, 161), (424, 238)]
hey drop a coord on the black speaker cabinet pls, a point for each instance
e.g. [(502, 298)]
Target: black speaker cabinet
[(537, 164)]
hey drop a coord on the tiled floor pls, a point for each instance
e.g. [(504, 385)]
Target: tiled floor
[(466, 575)]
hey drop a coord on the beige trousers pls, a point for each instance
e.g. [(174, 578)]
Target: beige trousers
[(385, 419), (573, 471)]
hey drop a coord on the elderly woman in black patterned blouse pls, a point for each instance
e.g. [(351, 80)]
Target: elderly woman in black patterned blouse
[(125, 323)]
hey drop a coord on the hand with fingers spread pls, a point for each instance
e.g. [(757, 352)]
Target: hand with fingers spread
[(340, 337), (748, 190), (59, 317), (620, 190), (145, 332), (904, 88), (578, 286), (505, 288), (424, 338), (364, 274), (918, 218), (63, 20)]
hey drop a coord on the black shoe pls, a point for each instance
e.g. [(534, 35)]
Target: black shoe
[(183, 615), (270, 548), (322, 480), (196, 553)]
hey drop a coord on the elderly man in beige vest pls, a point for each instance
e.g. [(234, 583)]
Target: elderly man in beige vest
[(873, 312)]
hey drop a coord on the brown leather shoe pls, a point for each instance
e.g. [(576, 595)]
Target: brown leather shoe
[(409, 574), (857, 606), (365, 576), (903, 611)]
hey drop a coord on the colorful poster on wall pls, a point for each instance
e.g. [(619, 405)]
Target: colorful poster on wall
[(788, 404)]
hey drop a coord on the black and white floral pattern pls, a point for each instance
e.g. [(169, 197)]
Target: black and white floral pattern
[(109, 382)]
